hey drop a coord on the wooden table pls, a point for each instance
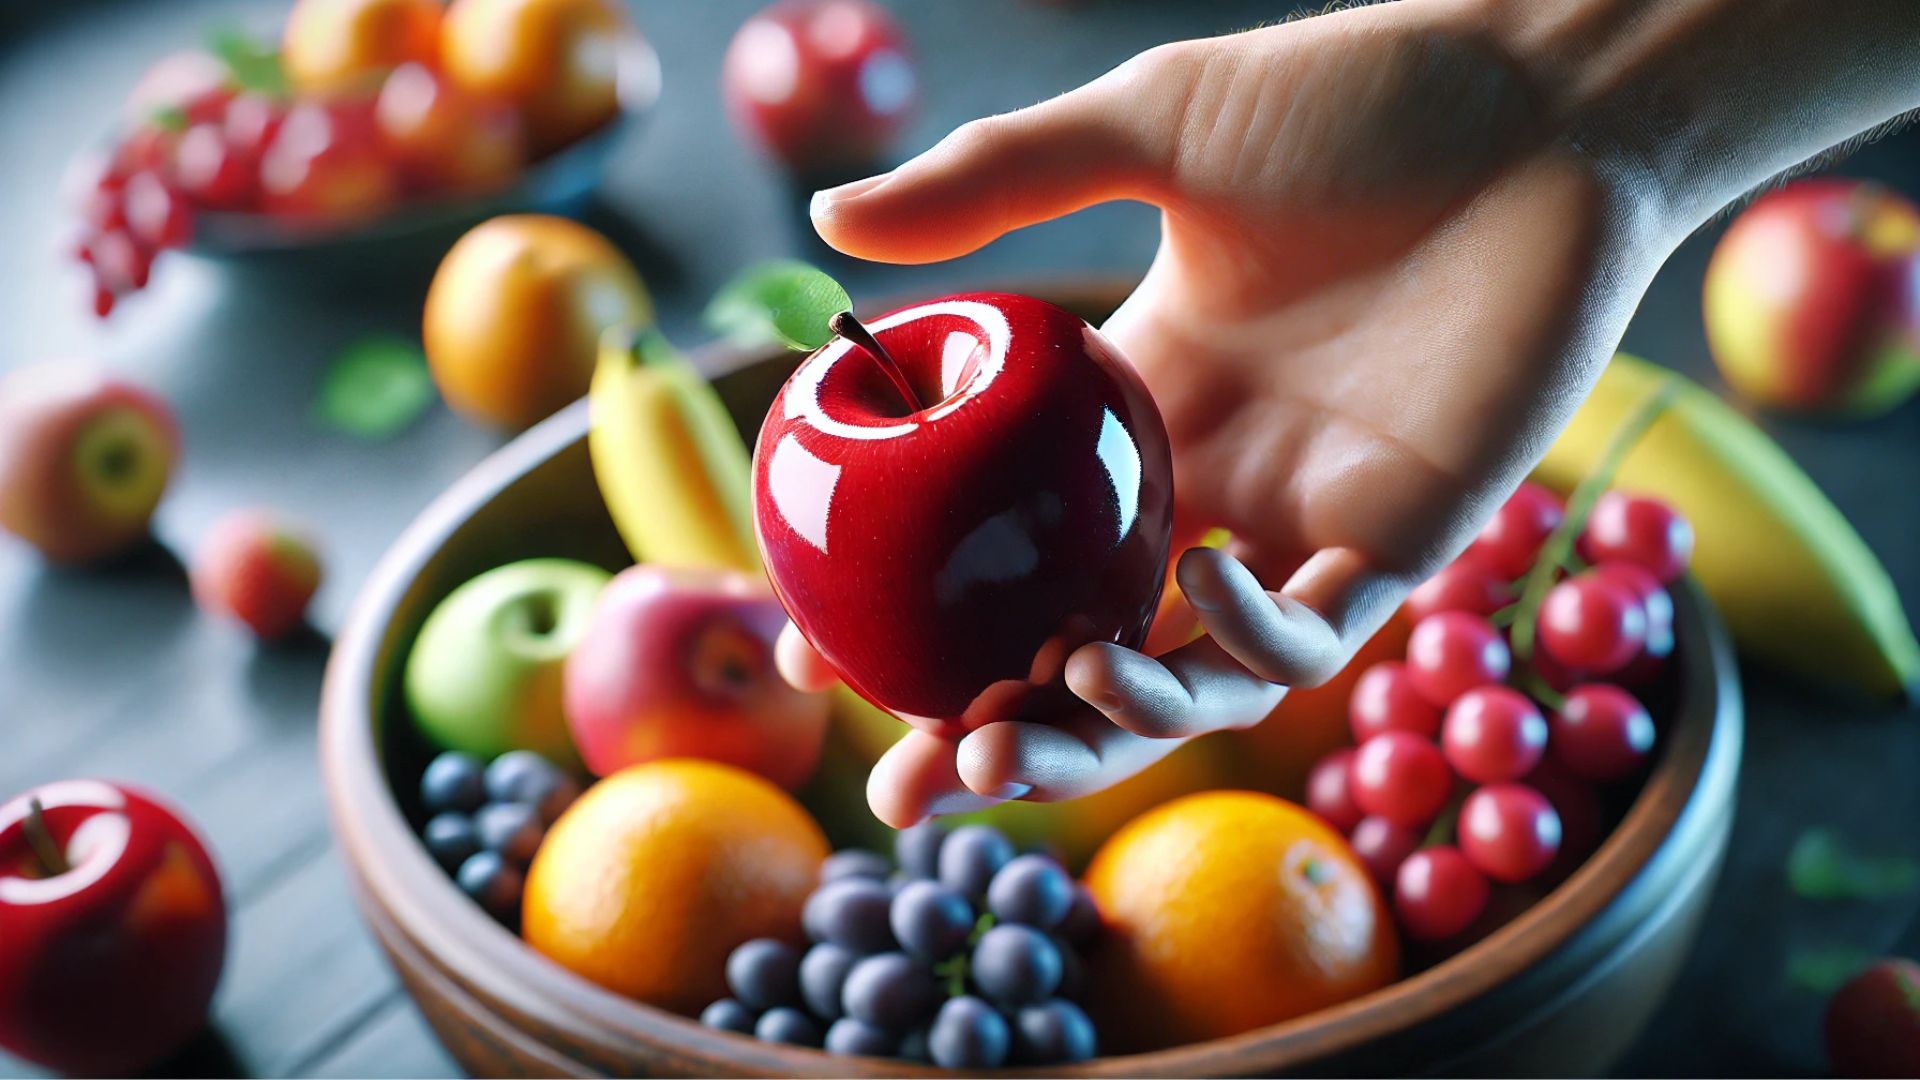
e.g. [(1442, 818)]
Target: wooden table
[(113, 673)]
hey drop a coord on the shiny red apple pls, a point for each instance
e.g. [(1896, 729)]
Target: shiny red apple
[(822, 84), (678, 662), (112, 929), (947, 555)]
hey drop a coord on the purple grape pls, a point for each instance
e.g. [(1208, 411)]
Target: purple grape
[(913, 1045), (512, 829), (729, 1015), (850, 912), (787, 1025), (823, 972), (1031, 890), (860, 1039), (494, 883), (854, 862), (968, 1034), (1015, 965), (917, 850), (930, 920), (890, 991), (764, 973), (450, 837), (1082, 921), (522, 776), (970, 858), (1073, 972), (453, 781), (1053, 1032)]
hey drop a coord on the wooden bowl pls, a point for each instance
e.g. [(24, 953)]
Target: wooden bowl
[(1561, 990)]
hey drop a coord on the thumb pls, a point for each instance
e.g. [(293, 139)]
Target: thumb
[(1101, 142)]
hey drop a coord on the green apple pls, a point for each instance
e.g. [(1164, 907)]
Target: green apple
[(485, 674)]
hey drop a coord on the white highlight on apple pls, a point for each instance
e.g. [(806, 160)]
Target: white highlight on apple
[(802, 489), (1122, 459), (803, 393), (93, 849)]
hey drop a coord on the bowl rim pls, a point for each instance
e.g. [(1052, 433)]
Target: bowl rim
[(1695, 768)]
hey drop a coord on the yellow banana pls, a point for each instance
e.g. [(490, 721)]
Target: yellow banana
[(673, 469), (1796, 584)]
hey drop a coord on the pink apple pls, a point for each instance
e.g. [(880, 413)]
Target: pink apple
[(84, 459), (946, 555), (678, 662), (822, 84), (258, 571)]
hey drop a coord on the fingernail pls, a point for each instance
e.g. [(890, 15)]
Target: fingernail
[(1011, 790), (824, 199), (958, 802)]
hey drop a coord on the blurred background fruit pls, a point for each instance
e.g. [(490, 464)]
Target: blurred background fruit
[(553, 60), (1208, 902), (336, 47), (1810, 300), (515, 313), (325, 166), (1873, 1022), (658, 872), (257, 570), (445, 139)]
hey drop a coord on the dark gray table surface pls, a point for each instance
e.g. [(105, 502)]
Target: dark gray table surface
[(113, 673)]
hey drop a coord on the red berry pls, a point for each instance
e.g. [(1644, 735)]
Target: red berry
[(1510, 832), (1465, 584), (1592, 623), (1553, 672), (1512, 537), (156, 214), (119, 264), (253, 569), (1383, 846), (1601, 732), (1493, 734), (1638, 580), (250, 123), (103, 300), (1437, 893), (1451, 653), (1330, 791), (1647, 666), (1873, 1022), (1583, 821), (1400, 777), (210, 172), (144, 149), (1384, 699), (1640, 530)]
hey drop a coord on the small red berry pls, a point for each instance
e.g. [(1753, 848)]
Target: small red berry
[(1493, 734), (1601, 732), (1451, 653), (255, 570), (1509, 832), (1330, 791), (1437, 893), (1465, 584), (1511, 538), (157, 215), (1593, 624), (1641, 530), (1383, 846), (1401, 777), (1384, 699)]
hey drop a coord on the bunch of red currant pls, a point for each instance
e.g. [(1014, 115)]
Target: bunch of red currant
[(1477, 757)]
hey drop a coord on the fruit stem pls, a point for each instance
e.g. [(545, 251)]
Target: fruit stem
[(850, 328), (52, 860)]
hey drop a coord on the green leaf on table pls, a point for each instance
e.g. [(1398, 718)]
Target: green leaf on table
[(1824, 969), (375, 388), (253, 64), (1820, 867), (784, 300)]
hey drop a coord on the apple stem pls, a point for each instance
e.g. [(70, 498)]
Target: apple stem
[(41, 841), (850, 328)]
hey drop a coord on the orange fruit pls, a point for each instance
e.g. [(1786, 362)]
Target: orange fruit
[(1228, 911), (659, 871), (515, 313), (334, 47), (555, 60)]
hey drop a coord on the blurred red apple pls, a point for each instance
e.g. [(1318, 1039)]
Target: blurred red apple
[(678, 662), (84, 459), (1812, 299), (946, 555), (822, 84), (257, 571), (112, 929)]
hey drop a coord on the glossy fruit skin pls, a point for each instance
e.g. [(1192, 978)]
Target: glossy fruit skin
[(1330, 791), (515, 313), (1401, 777), (1638, 531), (1493, 734), (1465, 584), (678, 662), (687, 860), (1437, 894), (1873, 1022), (1511, 538), (1179, 881), (1451, 653), (258, 571), (1592, 624), (1509, 832), (1602, 733), (333, 47), (325, 166), (556, 61), (84, 460), (1382, 846), (1808, 300), (1385, 699), (445, 140), (820, 84), (947, 562), (130, 942), (486, 673)]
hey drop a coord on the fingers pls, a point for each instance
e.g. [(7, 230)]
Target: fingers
[(798, 663), (1100, 142), (917, 778), (1275, 636), (1192, 690), (1065, 759)]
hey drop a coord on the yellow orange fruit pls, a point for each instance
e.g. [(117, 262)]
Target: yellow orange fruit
[(515, 313), (659, 871), (332, 47), (555, 60), (1225, 912)]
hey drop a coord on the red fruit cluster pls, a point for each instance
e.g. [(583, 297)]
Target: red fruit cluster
[(1460, 723)]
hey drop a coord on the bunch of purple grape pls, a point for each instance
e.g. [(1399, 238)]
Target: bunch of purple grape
[(966, 957)]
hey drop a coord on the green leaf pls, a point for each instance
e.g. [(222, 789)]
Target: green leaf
[(169, 118), (253, 64), (375, 388), (783, 300), (1821, 868), (1824, 969)]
